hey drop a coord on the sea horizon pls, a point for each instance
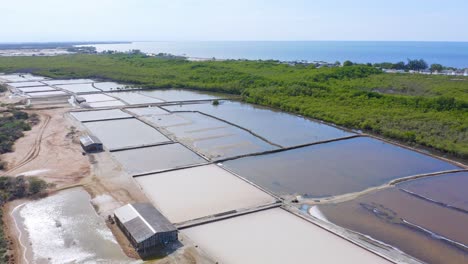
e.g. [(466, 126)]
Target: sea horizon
[(447, 53)]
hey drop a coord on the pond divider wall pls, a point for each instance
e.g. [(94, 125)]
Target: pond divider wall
[(234, 125), (142, 146), (290, 148), (225, 215)]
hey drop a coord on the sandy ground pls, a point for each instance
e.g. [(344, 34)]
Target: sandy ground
[(49, 151)]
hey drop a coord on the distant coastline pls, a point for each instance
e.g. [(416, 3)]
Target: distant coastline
[(53, 45), (451, 54)]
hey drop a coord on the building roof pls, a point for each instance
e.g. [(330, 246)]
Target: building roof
[(89, 140), (143, 220)]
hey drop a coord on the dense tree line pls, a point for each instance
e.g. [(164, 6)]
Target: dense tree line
[(418, 109)]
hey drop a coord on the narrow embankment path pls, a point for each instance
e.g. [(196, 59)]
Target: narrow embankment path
[(35, 148)]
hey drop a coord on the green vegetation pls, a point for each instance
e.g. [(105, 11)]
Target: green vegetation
[(417, 109), (12, 125), (415, 65), (12, 188)]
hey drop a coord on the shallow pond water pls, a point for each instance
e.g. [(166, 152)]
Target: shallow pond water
[(47, 94), (20, 78), (106, 104), (25, 84), (64, 228), (110, 86), (147, 111), (92, 98), (122, 133), (175, 95), (37, 89), (278, 127), (213, 138), (71, 81), (78, 88), (135, 98), (196, 192), (335, 168), (99, 115), (448, 189), (407, 222), (151, 159), (275, 236)]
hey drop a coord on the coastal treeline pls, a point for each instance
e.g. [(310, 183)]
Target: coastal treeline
[(426, 110)]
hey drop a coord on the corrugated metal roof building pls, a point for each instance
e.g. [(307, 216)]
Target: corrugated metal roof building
[(90, 143), (145, 226)]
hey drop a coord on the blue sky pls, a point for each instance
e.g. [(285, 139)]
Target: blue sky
[(93, 20)]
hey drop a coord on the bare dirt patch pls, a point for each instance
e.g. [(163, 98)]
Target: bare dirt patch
[(48, 151)]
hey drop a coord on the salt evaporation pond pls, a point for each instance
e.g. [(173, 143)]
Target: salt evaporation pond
[(147, 111), (100, 115), (106, 104), (135, 98), (278, 127), (21, 77), (71, 81), (275, 236), (152, 159), (123, 133), (47, 94), (175, 95), (335, 168), (79, 88), (64, 228), (192, 193), (448, 189), (25, 84), (110, 86), (37, 89), (92, 98), (212, 138), (406, 222)]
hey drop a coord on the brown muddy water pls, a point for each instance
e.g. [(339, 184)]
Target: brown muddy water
[(64, 228), (430, 232), (212, 138), (278, 127), (449, 190), (275, 236), (334, 168), (152, 159), (123, 133)]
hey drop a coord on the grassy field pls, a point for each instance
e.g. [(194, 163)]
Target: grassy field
[(424, 110)]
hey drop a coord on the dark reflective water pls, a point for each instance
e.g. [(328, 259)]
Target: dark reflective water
[(335, 168), (278, 127)]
